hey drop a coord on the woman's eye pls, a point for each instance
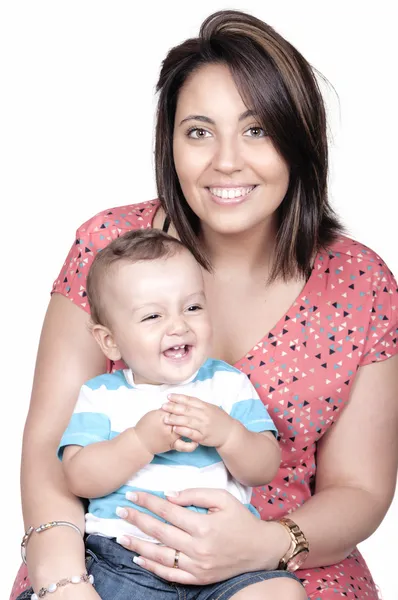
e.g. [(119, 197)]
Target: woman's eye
[(196, 133), (151, 317), (256, 132)]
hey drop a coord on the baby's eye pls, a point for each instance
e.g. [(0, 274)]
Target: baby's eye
[(194, 308), (151, 317)]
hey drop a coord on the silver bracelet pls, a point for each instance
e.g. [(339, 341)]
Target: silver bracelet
[(85, 578), (42, 528)]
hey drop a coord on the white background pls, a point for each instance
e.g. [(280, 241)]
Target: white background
[(76, 136)]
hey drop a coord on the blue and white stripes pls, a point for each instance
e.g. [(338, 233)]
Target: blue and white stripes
[(109, 404)]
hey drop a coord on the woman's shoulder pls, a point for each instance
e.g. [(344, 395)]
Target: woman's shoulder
[(349, 270), (364, 292), (121, 219), (347, 247), (353, 258), (91, 237)]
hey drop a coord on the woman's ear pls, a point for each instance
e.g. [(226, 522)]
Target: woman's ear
[(104, 337)]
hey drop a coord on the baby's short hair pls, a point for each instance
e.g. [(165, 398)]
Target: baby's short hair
[(133, 246)]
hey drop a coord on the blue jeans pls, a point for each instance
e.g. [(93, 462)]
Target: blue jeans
[(117, 577)]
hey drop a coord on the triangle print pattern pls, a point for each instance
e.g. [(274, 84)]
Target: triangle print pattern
[(303, 369)]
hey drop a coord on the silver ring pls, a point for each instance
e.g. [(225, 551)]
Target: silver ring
[(176, 559)]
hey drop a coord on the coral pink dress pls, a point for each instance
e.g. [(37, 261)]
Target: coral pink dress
[(303, 369)]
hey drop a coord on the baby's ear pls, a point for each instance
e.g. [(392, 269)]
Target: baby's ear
[(104, 338)]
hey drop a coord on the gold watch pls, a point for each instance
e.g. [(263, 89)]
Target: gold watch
[(298, 549)]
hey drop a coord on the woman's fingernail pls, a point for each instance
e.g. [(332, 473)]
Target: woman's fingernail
[(132, 496), (139, 561), (121, 512), (171, 493), (123, 540)]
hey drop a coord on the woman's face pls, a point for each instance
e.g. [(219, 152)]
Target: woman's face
[(229, 170)]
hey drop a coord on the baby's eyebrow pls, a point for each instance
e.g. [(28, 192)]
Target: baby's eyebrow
[(196, 295), (146, 305)]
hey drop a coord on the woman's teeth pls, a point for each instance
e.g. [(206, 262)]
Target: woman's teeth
[(231, 193)]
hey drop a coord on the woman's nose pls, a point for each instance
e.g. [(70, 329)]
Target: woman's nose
[(228, 156)]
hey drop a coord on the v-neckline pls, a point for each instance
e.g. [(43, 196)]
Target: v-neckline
[(273, 332), (278, 327)]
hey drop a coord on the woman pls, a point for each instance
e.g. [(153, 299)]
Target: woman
[(310, 315)]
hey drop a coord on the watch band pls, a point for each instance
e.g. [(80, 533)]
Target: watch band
[(298, 549)]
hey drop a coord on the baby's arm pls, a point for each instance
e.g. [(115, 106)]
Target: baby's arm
[(98, 469), (240, 430), (251, 452), (252, 458), (95, 465)]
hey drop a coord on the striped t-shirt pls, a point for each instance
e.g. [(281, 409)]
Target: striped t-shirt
[(111, 403)]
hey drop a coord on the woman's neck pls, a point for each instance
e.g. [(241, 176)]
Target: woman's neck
[(245, 252)]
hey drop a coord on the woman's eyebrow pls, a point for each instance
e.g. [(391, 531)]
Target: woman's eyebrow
[(204, 119)]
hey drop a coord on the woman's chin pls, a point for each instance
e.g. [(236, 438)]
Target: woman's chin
[(233, 225)]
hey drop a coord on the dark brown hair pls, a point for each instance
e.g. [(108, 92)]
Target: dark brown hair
[(279, 85), (133, 246)]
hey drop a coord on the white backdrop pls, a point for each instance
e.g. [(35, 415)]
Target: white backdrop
[(76, 136)]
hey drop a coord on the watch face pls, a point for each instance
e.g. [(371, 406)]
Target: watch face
[(297, 561)]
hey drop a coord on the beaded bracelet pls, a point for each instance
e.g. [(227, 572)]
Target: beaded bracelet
[(85, 578)]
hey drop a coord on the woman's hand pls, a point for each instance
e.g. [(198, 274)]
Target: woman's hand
[(227, 541)]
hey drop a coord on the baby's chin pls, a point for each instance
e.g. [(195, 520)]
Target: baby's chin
[(178, 379), (165, 379), (181, 378)]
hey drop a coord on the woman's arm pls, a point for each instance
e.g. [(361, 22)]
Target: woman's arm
[(68, 355), (356, 468)]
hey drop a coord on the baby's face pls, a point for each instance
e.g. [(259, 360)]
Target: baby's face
[(158, 317)]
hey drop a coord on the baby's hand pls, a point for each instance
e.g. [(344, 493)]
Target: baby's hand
[(158, 437), (199, 421)]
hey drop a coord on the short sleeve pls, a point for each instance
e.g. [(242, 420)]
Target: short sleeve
[(381, 337), (249, 410), (91, 238), (86, 426)]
